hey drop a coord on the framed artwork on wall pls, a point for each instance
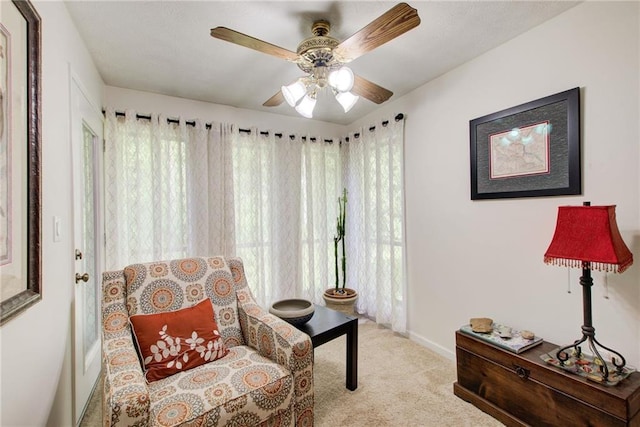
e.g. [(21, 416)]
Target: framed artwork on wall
[(530, 150), (20, 135)]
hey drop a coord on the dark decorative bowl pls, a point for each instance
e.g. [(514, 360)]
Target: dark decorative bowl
[(295, 311)]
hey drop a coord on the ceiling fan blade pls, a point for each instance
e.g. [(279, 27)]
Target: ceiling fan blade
[(393, 23), (366, 89), (241, 39), (275, 100)]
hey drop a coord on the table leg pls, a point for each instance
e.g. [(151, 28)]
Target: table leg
[(352, 355)]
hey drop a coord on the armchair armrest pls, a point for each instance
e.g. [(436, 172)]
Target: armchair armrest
[(273, 337), (277, 340), (126, 396)]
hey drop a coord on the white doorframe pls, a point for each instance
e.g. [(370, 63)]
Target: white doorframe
[(86, 119)]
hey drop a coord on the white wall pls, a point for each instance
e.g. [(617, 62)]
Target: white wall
[(36, 345), (484, 258), (147, 103)]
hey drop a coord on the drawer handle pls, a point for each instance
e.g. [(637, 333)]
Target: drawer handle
[(522, 372)]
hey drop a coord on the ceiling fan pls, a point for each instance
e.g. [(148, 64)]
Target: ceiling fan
[(322, 58)]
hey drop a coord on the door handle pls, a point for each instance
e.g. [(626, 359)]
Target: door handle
[(84, 277)]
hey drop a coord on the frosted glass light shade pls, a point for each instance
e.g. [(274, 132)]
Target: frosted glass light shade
[(347, 100), (294, 92), (341, 79), (306, 106)]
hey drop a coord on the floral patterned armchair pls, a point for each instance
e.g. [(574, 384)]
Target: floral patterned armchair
[(265, 379)]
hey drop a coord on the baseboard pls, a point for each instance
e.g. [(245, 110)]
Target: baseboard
[(418, 339), (442, 351)]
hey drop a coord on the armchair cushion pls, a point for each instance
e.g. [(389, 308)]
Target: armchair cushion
[(174, 341), (241, 389)]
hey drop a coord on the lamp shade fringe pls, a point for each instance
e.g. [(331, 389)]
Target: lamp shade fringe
[(599, 266)]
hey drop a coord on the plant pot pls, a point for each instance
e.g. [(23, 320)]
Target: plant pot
[(342, 302)]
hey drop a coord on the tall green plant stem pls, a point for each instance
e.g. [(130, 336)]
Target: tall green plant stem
[(340, 233), (344, 253), (335, 247)]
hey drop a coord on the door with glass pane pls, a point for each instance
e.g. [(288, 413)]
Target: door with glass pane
[(86, 142)]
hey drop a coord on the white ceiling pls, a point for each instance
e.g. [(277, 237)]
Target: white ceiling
[(165, 47)]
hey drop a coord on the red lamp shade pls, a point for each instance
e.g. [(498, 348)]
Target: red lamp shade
[(588, 234)]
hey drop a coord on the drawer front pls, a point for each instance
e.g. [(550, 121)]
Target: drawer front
[(526, 399)]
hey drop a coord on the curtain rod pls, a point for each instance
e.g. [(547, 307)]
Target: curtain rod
[(397, 118)]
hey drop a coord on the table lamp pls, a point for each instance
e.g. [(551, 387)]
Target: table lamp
[(588, 237)]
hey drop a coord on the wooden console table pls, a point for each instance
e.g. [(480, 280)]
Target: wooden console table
[(521, 389)]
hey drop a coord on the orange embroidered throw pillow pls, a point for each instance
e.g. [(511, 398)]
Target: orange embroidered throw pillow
[(175, 341)]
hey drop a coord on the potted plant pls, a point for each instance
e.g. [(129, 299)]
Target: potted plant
[(339, 297)]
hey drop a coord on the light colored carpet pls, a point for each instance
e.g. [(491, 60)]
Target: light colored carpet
[(400, 383)]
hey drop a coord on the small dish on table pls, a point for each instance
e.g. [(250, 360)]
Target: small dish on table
[(296, 311)]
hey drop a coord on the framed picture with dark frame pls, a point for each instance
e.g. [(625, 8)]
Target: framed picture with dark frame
[(20, 147), (531, 150)]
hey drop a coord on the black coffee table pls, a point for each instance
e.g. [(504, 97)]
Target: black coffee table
[(326, 325)]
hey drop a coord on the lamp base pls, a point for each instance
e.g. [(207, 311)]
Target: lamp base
[(597, 368), (566, 353), (586, 366)]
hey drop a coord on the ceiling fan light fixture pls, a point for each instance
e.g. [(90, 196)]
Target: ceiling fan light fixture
[(322, 58), (341, 79), (306, 106), (294, 92), (347, 100)]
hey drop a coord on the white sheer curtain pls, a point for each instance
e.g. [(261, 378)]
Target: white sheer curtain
[(375, 222), (168, 189), (321, 187), (267, 181), (282, 185), (175, 190)]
